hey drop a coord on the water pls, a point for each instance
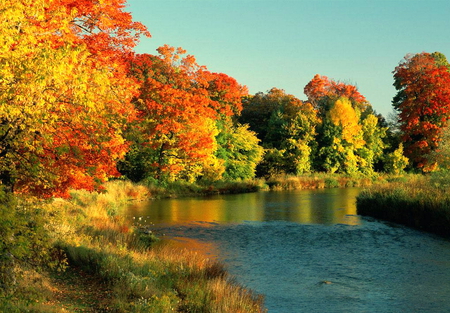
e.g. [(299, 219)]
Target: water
[(308, 251)]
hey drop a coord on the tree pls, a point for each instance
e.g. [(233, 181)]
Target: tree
[(396, 161), (169, 136), (321, 88), (61, 104), (287, 127), (240, 151), (372, 151), (423, 102), (341, 137)]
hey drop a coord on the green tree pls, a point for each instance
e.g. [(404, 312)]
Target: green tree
[(396, 161), (287, 128), (240, 151), (374, 146)]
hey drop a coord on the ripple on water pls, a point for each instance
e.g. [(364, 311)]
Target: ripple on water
[(376, 267)]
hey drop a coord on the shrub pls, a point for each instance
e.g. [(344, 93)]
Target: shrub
[(24, 239)]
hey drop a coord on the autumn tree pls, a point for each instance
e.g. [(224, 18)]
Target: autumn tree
[(423, 103), (341, 137), (63, 98), (374, 135), (170, 139), (238, 147), (320, 89)]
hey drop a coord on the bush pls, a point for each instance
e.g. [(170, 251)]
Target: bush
[(24, 240)]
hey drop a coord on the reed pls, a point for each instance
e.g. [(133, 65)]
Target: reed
[(316, 181), (421, 202)]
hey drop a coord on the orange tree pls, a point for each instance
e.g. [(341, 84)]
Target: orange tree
[(63, 94), (321, 88), (185, 121), (174, 133), (423, 102)]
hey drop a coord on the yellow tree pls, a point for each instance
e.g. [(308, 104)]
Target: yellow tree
[(341, 137), (61, 107)]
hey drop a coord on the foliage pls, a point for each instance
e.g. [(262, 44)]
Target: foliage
[(169, 139), (341, 138), (321, 88), (24, 240), (287, 127), (239, 150), (422, 81), (441, 156), (63, 96), (373, 136), (396, 162)]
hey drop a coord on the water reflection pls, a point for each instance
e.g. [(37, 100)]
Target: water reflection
[(332, 206), (284, 245)]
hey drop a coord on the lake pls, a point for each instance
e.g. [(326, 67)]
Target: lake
[(308, 250)]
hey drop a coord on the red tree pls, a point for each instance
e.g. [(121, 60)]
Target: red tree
[(423, 103), (321, 87)]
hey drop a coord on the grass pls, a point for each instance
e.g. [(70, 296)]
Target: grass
[(182, 189), (316, 181), (421, 202), (124, 267)]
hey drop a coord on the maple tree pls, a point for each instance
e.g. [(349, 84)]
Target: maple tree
[(63, 97), (171, 140), (423, 103), (182, 111)]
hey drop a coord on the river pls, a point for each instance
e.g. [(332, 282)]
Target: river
[(308, 251)]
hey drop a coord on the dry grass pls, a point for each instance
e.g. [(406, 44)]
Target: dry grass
[(316, 181), (139, 276)]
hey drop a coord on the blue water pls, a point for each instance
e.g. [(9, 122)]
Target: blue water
[(319, 257)]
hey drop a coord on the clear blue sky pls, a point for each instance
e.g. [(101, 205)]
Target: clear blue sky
[(283, 44)]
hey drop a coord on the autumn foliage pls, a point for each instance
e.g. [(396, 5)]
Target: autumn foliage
[(78, 106), (321, 87), (63, 97), (178, 106), (423, 103)]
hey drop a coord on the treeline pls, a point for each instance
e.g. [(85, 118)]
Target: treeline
[(78, 107)]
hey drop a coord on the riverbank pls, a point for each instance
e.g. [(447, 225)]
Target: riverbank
[(421, 202), (129, 270), (158, 190), (319, 181)]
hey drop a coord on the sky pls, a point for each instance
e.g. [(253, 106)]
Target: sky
[(284, 43)]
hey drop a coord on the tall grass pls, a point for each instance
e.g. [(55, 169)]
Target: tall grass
[(181, 188), (421, 202), (316, 181), (141, 274)]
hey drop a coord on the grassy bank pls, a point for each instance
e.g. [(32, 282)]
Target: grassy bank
[(94, 247), (421, 202), (182, 189), (274, 183), (318, 181)]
